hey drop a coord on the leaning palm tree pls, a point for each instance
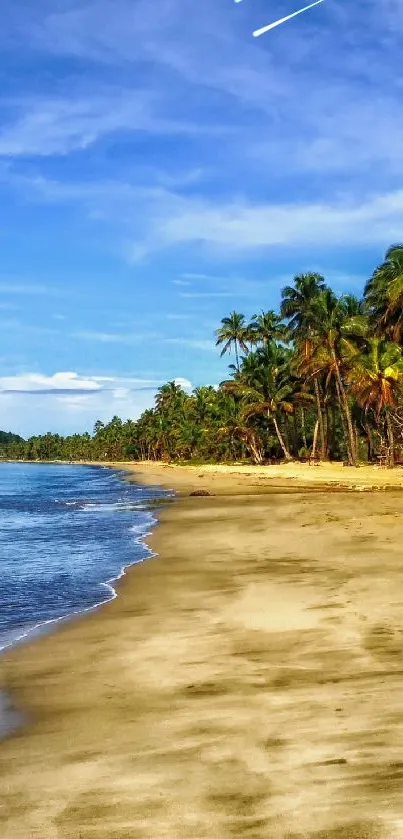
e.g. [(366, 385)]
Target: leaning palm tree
[(233, 333), (376, 380), (384, 295)]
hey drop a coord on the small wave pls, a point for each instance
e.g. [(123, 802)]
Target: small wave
[(113, 507), (64, 503), (67, 545), (19, 636)]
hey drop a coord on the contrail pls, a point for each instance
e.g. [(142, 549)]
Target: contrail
[(283, 19)]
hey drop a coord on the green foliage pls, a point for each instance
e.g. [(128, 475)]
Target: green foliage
[(321, 379), (7, 438)]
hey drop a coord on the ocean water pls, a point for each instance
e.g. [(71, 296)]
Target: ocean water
[(66, 535)]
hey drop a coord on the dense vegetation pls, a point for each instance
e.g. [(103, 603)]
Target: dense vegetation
[(6, 437), (320, 379)]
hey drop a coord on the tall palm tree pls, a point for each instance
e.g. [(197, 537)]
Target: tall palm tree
[(168, 396), (297, 308), (296, 303), (265, 327), (376, 381), (233, 333), (383, 295), (333, 349)]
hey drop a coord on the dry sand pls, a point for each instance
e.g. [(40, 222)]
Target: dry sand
[(246, 684)]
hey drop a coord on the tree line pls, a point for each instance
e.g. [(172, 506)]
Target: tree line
[(321, 379)]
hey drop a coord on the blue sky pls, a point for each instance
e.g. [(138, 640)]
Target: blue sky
[(160, 167)]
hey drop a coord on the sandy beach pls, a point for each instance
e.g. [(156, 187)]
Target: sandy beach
[(247, 682)]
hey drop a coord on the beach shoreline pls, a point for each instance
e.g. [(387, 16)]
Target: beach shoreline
[(230, 478), (16, 637), (245, 682)]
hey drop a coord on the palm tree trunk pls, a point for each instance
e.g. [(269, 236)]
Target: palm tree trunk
[(370, 442), (315, 439), (356, 439), (344, 424), (303, 429), (320, 417), (236, 355), (280, 439), (286, 432), (295, 433), (345, 407), (333, 435), (255, 449), (391, 438), (327, 432)]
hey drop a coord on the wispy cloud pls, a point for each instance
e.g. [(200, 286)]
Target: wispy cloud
[(192, 343), (209, 48), (43, 384), (209, 277), (197, 295), (115, 337), (171, 219), (151, 151), (245, 225), (48, 126), (10, 286)]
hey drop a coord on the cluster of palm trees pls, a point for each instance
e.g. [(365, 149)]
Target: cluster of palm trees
[(321, 379), (340, 354)]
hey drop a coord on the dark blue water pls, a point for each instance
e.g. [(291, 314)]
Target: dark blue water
[(66, 533)]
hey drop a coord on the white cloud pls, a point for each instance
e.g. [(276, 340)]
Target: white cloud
[(33, 403), (243, 225), (185, 383), (232, 225), (75, 403), (306, 85), (120, 393), (38, 382)]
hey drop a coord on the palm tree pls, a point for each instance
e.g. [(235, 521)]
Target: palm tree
[(332, 350), (265, 327), (203, 403), (376, 382), (233, 332), (296, 303), (297, 308), (169, 395), (383, 295), (264, 388)]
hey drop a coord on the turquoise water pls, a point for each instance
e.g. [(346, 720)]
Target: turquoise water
[(66, 534)]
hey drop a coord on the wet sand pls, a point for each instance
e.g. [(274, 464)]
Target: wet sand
[(247, 682)]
